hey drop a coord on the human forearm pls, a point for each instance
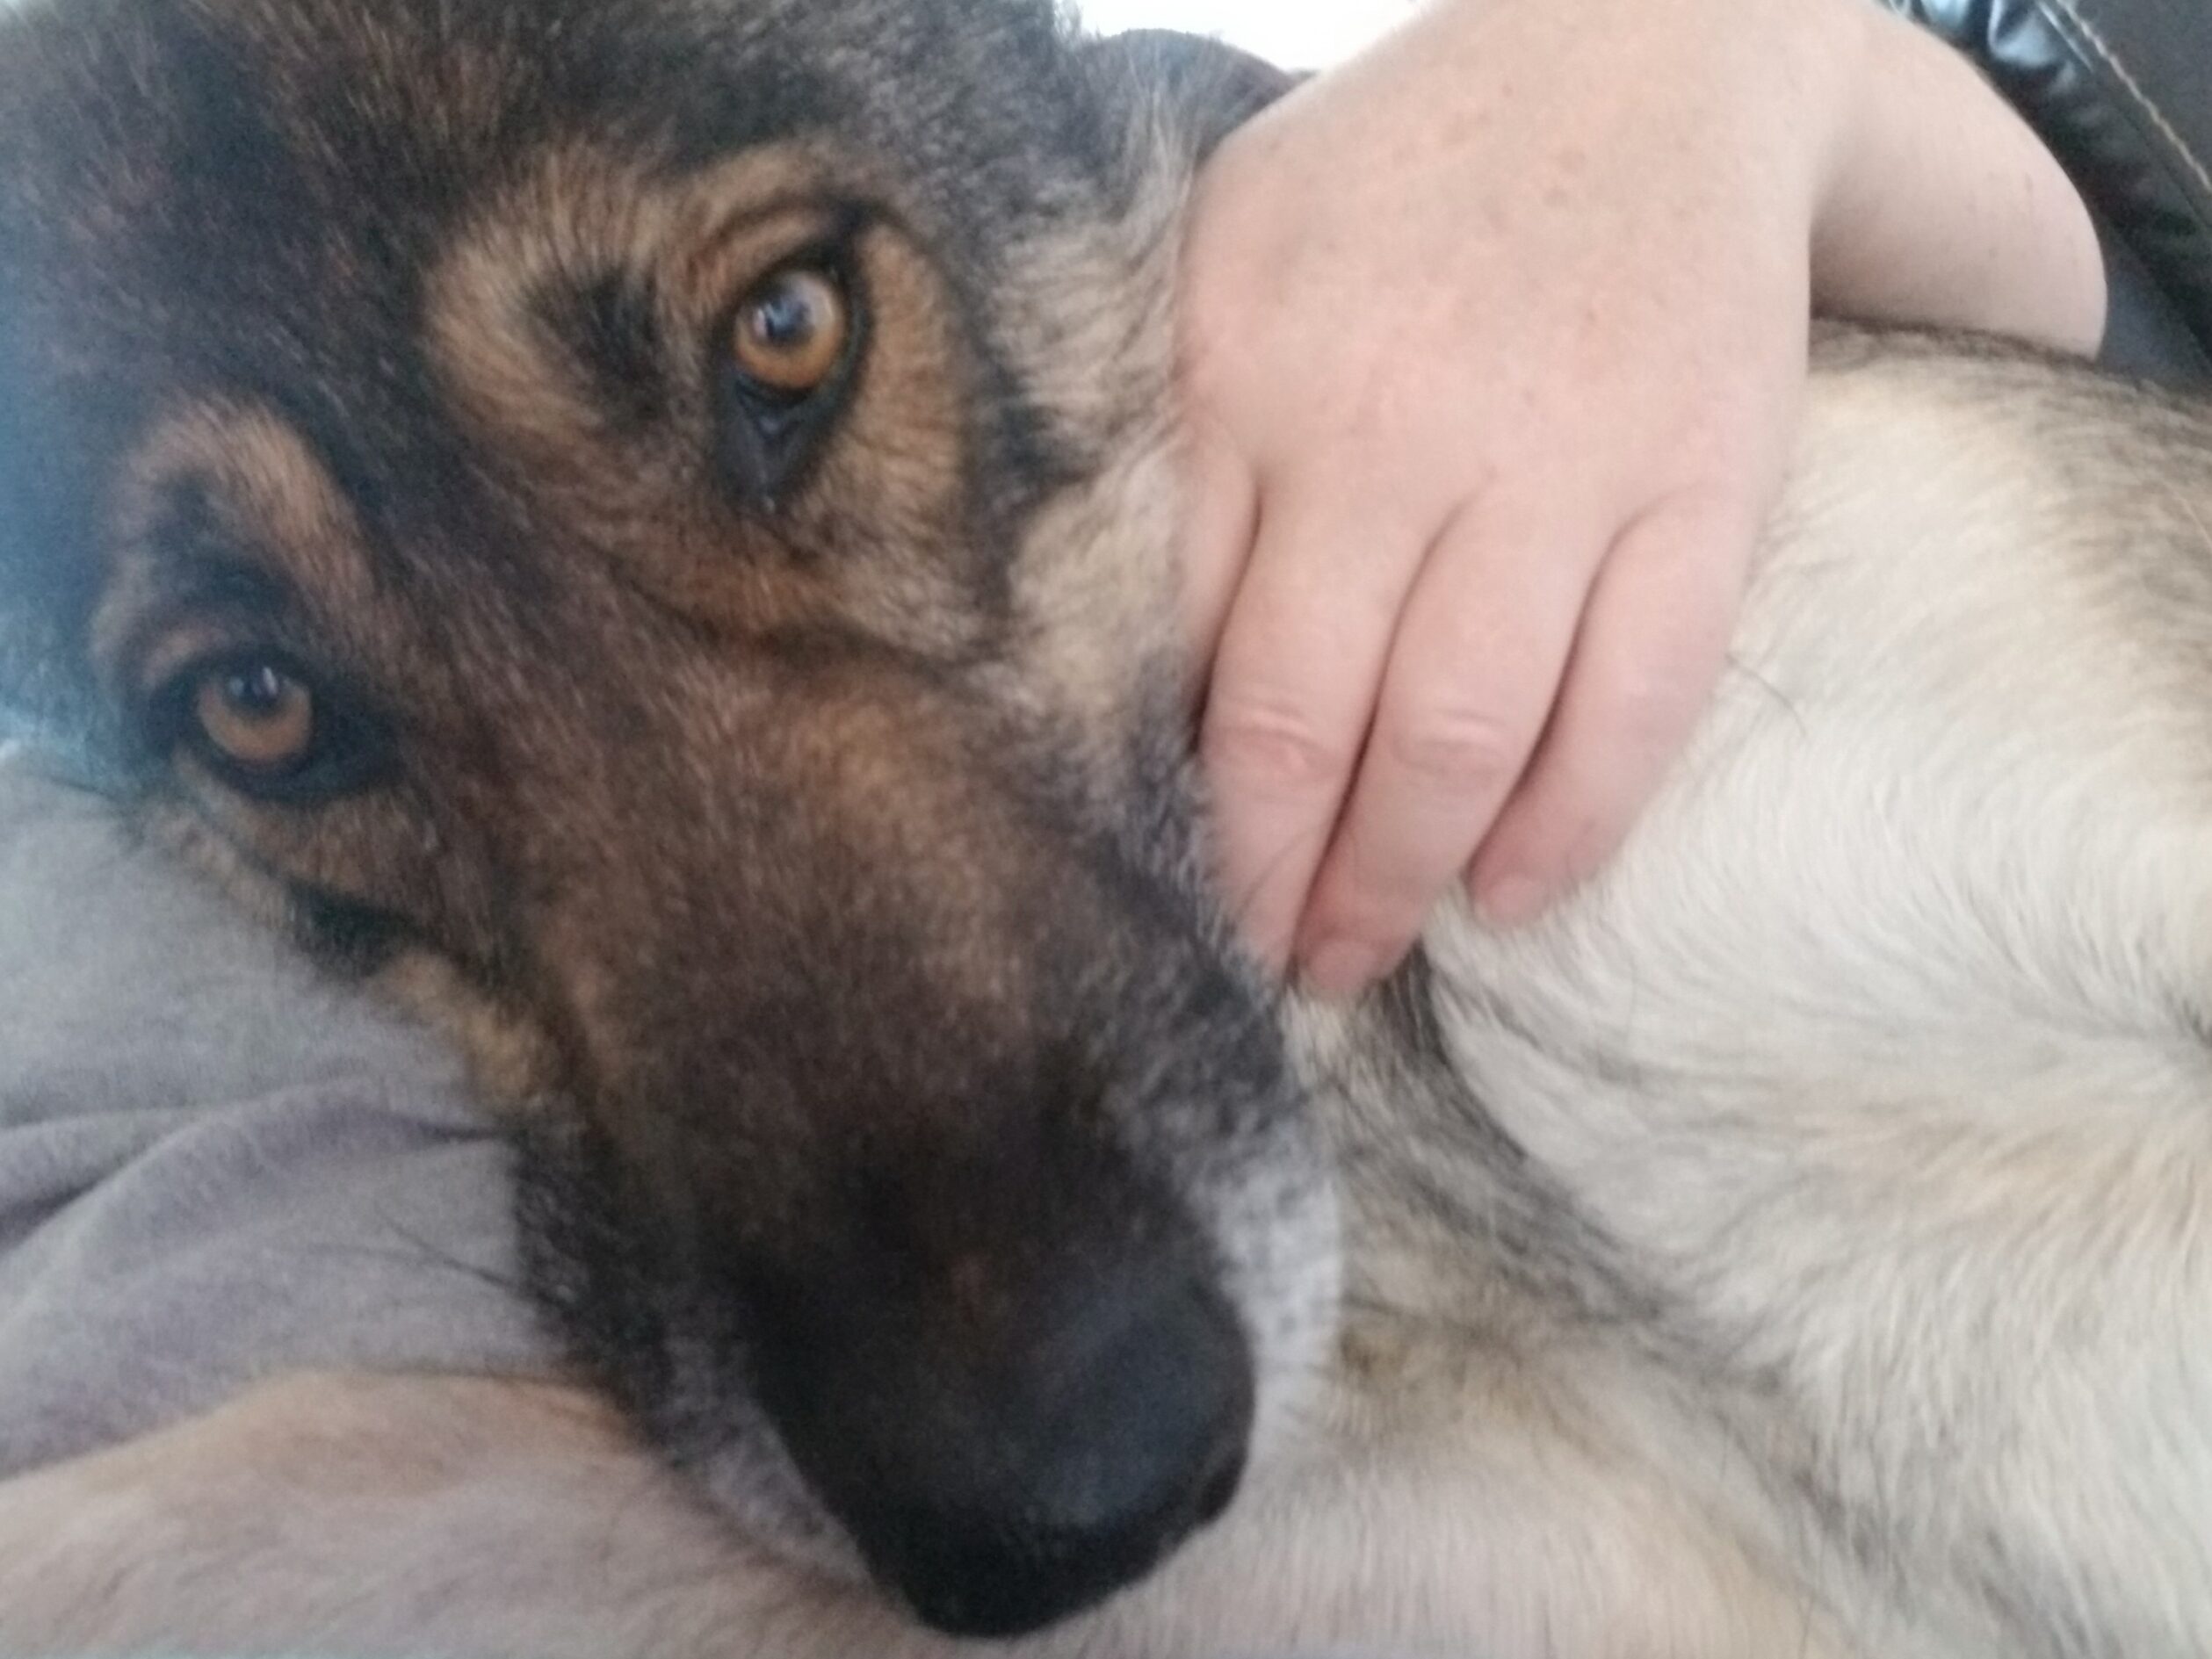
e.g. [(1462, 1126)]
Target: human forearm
[(1942, 207)]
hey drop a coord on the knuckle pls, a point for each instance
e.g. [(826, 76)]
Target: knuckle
[(1274, 745), (1458, 752)]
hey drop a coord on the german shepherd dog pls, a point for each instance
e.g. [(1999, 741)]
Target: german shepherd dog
[(642, 529)]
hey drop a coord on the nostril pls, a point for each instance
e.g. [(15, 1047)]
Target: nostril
[(1055, 1551), (1135, 1410), (1004, 1498)]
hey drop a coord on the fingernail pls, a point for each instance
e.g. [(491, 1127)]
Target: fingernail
[(1341, 969), (1508, 901)]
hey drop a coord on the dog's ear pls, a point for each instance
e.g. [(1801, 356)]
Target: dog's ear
[(1209, 89)]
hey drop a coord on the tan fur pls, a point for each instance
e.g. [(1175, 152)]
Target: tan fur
[(286, 510), (1492, 1474), (1793, 1247), (700, 242)]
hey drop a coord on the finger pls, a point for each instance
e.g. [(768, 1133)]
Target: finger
[(1221, 512), (1293, 692), (1482, 641), (1651, 647)]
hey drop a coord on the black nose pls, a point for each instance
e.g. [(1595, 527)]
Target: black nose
[(1000, 1492), (1127, 1433)]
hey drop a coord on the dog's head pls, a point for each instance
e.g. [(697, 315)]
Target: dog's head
[(643, 525)]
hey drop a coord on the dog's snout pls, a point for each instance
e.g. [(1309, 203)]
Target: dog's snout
[(1003, 1485), (1122, 1434)]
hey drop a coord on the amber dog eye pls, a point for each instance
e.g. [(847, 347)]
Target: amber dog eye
[(265, 728), (790, 362), (792, 332), (256, 716)]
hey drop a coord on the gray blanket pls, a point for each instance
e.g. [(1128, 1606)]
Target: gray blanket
[(212, 1168)]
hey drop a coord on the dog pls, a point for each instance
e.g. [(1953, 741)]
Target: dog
[(640, 530)]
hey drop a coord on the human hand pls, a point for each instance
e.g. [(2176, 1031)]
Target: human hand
[(1492, 345)]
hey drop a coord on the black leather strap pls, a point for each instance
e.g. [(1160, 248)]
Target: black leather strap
[(2122, 92)]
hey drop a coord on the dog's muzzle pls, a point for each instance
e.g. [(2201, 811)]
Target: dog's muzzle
[(1030, 1418), (1033, 1483)]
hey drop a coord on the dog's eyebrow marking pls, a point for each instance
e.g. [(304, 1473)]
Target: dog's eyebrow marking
[(612, 331), (155, 599), (224, 506), (142, 628), (590, 269), (200, 564)]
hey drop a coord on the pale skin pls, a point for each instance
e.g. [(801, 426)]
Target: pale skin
[(1492, 345)]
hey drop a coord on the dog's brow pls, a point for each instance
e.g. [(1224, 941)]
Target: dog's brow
[(225, 514), (202, 579), (158, 592), (611, 330), (603, 257), (193, 562)]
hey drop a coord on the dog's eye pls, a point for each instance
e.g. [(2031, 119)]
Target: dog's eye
[(264, 728), (792, 332), (788, 359), (256, 716)]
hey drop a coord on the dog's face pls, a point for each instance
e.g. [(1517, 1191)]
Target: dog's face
[(642, 524)]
